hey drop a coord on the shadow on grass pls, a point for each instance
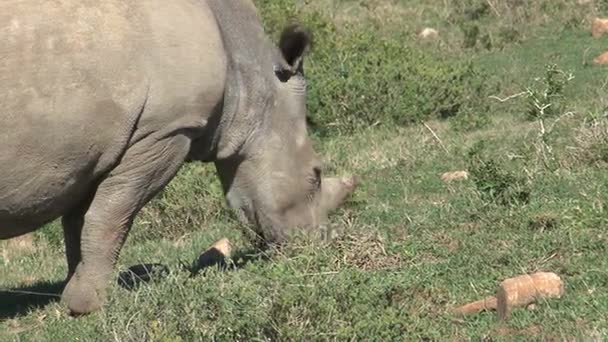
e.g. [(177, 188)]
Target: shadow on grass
[(20, 301), (139, 274), (213, 257)]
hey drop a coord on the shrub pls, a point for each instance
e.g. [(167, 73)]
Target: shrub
[(591, 142), (380, 80), (493, 181), (470, 120), (360, 77), (547, 98)]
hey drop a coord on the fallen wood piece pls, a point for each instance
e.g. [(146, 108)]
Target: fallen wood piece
[(428, 33), (520, 291), (486, 304), (599, 26), (526, 289), (454, 176), (601, 59), (214, 255)]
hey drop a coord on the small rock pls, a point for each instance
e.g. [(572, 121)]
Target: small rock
[(428, 34), (454, 176), (601, 59), (584, 2), (599, 27), (531, 307)]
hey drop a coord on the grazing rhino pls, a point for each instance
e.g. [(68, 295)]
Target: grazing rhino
[(102, 101)]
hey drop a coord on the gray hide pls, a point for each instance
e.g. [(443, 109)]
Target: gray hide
[(102, 101)]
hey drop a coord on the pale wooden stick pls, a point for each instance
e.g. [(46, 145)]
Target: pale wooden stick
[(488, 303), (436, 137)]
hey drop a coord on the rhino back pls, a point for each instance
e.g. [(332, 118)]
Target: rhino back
[(79, 79)]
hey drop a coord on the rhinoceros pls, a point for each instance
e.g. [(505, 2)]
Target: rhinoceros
[(102, 102)]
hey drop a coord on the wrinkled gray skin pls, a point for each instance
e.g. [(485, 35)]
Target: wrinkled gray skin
[(102, 101)]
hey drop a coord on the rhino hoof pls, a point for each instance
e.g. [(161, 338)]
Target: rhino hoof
[(80, 297)]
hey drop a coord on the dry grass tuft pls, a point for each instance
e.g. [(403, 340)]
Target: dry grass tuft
[(351, 13), (365, 251), (590, 144), (16, 246)]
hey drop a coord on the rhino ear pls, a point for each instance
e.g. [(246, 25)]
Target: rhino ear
[(294, 43)]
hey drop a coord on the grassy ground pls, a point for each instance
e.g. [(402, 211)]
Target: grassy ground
[(411, 247)]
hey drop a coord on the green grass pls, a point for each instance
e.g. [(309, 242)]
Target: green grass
[(411, 247)]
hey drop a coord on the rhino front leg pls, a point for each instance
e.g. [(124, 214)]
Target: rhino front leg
[(144, 170)]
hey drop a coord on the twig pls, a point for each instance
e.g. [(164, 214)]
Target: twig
[(493, 8), (30, 293), (585, 52), (436, 137), (542, 128), (558, 120), (317, 274), (511, 97)]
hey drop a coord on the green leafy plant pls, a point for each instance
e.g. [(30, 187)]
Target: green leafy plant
[(360, 77), (548, 101), (493, 181), (547, 97)]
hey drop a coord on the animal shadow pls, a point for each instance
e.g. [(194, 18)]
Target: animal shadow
[(213, 257), (19, 301), (136, 275)]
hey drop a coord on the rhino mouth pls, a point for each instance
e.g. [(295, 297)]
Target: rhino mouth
[(256, 224), (266, 227)]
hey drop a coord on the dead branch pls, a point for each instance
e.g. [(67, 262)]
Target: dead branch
[(436, 137), (511, 97)]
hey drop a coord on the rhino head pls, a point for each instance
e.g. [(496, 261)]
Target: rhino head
[(275, 183)]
